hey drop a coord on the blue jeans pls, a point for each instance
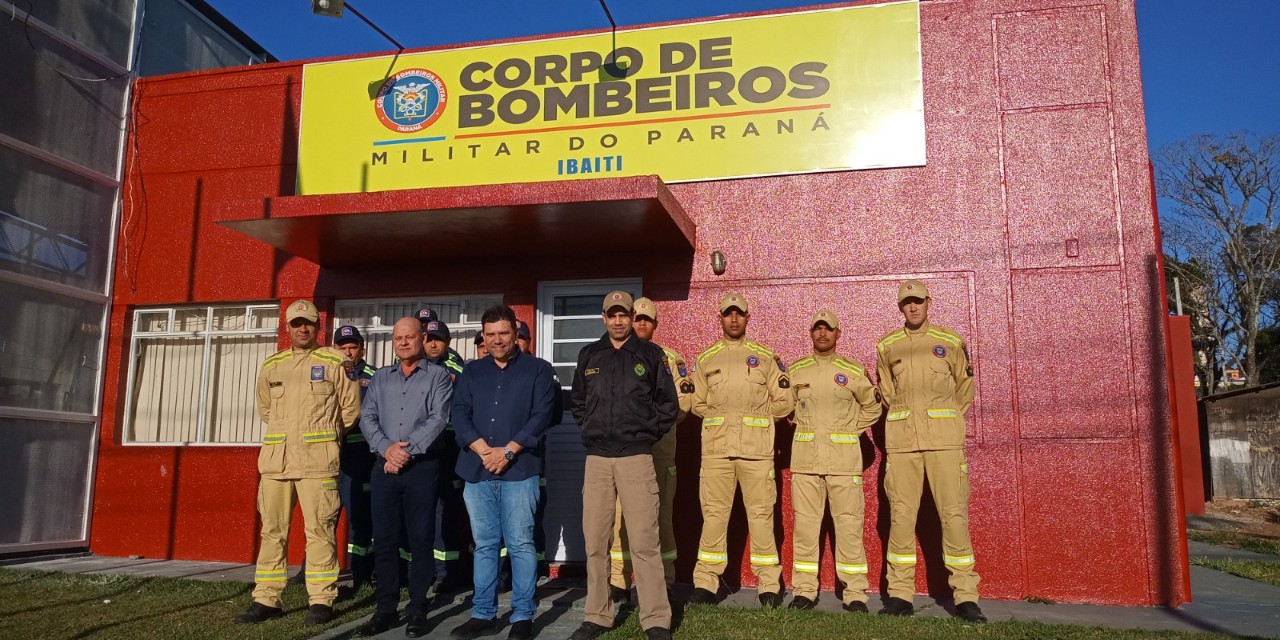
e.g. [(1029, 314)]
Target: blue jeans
[(503, 511)]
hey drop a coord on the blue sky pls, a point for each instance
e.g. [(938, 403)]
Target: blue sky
[(1208, 66)]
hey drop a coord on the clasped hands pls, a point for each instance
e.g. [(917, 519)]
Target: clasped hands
[(396, 457)]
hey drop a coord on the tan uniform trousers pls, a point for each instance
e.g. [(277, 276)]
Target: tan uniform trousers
[(319, 500), (720, 477), (631, 481), (809, 495), (620, 554), (948, 475)]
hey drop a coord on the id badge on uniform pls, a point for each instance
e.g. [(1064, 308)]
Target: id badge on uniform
[(317, 373)]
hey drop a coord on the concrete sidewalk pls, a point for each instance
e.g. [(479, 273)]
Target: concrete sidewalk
[(1221, 603)]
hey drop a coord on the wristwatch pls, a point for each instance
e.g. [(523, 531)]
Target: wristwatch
[(508, 454)]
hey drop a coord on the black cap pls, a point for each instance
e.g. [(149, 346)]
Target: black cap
[(522, 331), (347, 333), (479, 338), (436, 328)]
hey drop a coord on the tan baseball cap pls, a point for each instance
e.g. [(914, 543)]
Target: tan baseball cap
[(618, 299), (645, 307), (733, 300), (825, 316), (912, 289), (302, 309)]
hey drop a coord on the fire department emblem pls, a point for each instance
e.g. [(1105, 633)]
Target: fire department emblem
[(640, 369), (410, 100), (940, 351), (842, 379), (682, 370), (317, 373), (753, 361)]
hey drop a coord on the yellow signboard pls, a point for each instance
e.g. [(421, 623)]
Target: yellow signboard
[(823, 90)]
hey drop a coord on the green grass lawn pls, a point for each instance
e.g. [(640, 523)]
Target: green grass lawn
[(38, 604), (1236, 541), (727, 623), (1261, 571)]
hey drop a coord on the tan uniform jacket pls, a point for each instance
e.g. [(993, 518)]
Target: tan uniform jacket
[(665, 449), (739, 389), (307, 401), (927, 387), (835, 403)]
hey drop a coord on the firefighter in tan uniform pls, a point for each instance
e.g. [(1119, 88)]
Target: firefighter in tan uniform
[(927, 386), (835, 404), (664, 464), (307, 402), (740, 388)]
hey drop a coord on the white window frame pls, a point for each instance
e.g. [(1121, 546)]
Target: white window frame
[(546, 317), (135, 353), (382, 326)]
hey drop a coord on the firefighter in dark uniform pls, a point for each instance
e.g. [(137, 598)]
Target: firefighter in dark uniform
[(453, 527), (355, 464)]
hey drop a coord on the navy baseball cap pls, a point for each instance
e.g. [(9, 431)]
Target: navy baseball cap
[(479, 338), (522, 331), (427, 315), (436, 328), (347, 333)]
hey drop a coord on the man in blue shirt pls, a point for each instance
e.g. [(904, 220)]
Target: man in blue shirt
[(356, 463), (403, 418), (502, 406)]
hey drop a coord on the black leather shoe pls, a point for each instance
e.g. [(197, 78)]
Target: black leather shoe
[(897, 607), (855, 607), (416, 625), (702, 596), (619, 595), (970, 612), (473, 628), (657, 633), (588, 631), (379, 623), (801, 602), (521, 630), (258, 612), (317, 614), (773, 600)]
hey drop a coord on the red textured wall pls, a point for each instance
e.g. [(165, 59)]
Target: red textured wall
[(1032, 222)]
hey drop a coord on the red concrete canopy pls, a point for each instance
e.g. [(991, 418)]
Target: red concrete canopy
[(578, 216)]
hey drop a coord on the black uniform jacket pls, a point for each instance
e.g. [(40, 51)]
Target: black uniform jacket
[(624, 399)]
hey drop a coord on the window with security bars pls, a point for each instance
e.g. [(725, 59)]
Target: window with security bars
[(193, 373), (376, 318)]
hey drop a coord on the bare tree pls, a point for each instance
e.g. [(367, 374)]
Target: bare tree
[(1225, 190)]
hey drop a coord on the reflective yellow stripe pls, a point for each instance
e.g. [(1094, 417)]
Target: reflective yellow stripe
[(857, 479), (321, 576), (271, 576), (357, 550), (273, 438), (891, 338), (943, 413), (894, 416), (457, 484), (355, 435), (847, 366), (540, 556), (756, 421), (944, 336), (844, 438), (804, 436), (277, 358), (447, 555), (765, 560), (802, 363), (366, 487), (964, 468), (901, 559), (715, 421), (712, 350), (319, 436), (714, 558), (542, 482), (669, 555), (327, 357), (671, 471), (851, 568), (329, 483), (758, 348), (957, 561), (805, 567), (620, 555), (406, 556), (502, 553)]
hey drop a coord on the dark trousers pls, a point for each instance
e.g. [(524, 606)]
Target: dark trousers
[(408, 497), (355, 492), (453, 527)]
